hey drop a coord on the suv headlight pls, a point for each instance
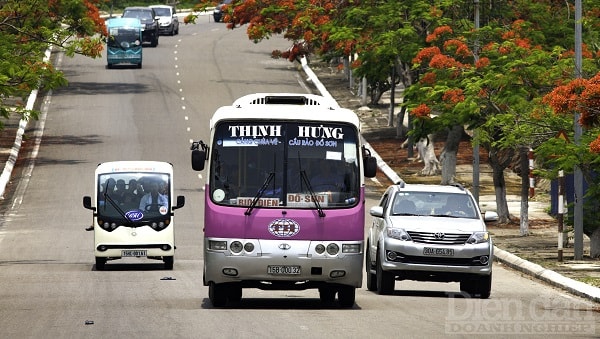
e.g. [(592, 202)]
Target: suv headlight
[(478, 238), (398, 233)]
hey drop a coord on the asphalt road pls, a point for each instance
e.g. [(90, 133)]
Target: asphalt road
[(48, 285)]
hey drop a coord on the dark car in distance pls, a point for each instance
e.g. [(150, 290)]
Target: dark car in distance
[(149, 21), (218, 11)]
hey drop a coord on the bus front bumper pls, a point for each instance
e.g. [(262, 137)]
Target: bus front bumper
[(273, 266)]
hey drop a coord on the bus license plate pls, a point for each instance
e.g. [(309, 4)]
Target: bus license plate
[(283, 270), (134, 253), (446, 252)]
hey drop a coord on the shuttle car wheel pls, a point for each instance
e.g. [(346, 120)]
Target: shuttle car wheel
[(100, 262), (168, 262)]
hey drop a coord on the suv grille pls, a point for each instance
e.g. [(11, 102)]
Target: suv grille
[(439, 238)]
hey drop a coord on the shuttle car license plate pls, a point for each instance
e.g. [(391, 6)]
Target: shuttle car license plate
[(134, 253), (283, 270), (446, 252)]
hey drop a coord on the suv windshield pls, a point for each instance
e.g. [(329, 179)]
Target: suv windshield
[(285, 164), (434, 204), (139, 14), (162, 11)]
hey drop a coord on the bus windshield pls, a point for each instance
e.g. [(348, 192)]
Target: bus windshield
[(283, 163), (133, 196)]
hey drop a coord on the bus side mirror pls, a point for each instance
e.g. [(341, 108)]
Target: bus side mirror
[(87, 203), (370, 165), (180, 202), (199, 152), (198, 158)]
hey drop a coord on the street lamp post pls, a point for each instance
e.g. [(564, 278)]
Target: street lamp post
[(577, 175), (475, 189)]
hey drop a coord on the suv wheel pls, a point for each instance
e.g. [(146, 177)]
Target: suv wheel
[(477, 286), (371, 277), (385, 280)]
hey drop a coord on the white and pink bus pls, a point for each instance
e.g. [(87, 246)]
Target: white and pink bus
[(284, 197)]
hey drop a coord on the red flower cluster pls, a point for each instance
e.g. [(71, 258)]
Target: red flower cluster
[(437, 32), (582, 95), (421, 111), (428, 78), (454, 96), (595, 145)]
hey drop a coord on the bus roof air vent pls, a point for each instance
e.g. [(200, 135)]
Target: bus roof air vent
[(285, 99)]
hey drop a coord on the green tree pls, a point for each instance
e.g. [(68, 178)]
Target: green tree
[(27, 29)]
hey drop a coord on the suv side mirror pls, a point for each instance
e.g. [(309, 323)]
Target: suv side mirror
[(376, 211), (490, 216)]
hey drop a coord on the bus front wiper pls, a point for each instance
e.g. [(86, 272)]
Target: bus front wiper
[(312, 193), (260, 192)]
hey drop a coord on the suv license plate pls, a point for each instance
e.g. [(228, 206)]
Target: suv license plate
[(446, 252), (134, 253), (283, 270)]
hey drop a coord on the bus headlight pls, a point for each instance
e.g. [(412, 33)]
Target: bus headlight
[(320, 248), (236, 247), (248, 247), (333, 249)]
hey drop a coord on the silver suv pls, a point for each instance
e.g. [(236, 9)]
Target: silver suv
[(429, 233), (168, 23)]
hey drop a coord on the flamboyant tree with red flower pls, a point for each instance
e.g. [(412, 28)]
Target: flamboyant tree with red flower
[(579, 96), (496, 89), (27, 29)]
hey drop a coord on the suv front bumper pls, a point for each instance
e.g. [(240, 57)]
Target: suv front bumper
[(405, 256)]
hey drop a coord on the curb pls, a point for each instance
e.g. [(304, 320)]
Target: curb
[(553, 278), (14, 151)]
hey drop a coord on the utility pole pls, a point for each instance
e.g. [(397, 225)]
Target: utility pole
[(475, 190), (577, 175)]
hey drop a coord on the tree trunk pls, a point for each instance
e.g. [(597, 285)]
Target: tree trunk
[(499, 188), (524, 215), (595, 243), (431, 165), (401, 129), (448, 156)]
